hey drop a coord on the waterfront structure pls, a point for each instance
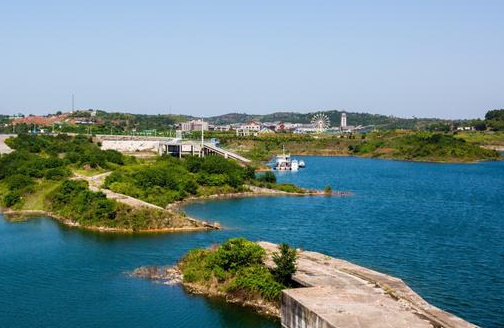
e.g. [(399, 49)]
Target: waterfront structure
[(194, 125)]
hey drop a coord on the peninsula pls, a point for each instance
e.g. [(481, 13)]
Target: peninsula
[(71, 179)]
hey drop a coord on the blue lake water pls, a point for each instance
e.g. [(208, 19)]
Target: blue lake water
[(439, 227)]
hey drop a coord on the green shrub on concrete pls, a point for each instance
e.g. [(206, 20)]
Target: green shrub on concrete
[(237, 267)]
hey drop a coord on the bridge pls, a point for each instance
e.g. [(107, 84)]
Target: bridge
[(181, 148), (211, 149)]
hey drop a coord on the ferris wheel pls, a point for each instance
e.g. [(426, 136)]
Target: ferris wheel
[(320, 122)]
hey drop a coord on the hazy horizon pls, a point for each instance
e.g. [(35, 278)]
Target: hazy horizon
[(423, 59)]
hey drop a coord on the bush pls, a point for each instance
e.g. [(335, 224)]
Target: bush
[(285, 264), (288, 187), (268, 177), (18, 182), (58, 173), (11, 198), (194, 266), (257, 279), (328, 190), (237, 253)]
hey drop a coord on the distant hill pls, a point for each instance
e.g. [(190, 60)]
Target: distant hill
[(382, 121)]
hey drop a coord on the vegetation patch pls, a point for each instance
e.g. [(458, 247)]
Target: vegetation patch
[(422, 146), (236, 269)]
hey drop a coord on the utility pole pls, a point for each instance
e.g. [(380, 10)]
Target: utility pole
[(202, 138), (73, 102)]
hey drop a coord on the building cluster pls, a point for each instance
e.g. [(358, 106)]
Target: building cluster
[(254, 128), (59, 118)]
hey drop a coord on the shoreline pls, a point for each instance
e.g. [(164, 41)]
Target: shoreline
[(257, 192), (314, 154), (27, 214), (199, 225)]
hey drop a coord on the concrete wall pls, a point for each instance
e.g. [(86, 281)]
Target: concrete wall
[(131, 146), (296, 315)]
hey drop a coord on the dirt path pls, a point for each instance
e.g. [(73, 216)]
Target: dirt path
[(96, 182)]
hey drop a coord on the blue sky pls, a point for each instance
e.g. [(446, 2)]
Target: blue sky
[(425, 58)]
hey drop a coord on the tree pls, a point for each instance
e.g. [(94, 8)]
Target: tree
[(328, 190), (495, 115), (285, 264), (268, 177)]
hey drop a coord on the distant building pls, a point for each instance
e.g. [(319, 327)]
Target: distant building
[(266, 131), (280, 127), (194, 125), (305, 128), (222, 128), (252, 126), (242, 132), (343, 124), (465, 128)]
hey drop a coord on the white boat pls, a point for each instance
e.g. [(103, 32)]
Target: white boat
[(283, 162), (301, 164)]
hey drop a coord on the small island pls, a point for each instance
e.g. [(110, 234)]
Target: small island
[(235, 270)]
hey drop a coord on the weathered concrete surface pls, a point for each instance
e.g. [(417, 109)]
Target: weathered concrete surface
[(338, 293), (131, 146), (4, 149)]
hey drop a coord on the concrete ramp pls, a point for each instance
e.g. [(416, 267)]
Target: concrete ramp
[(211, 148), (338, 293)]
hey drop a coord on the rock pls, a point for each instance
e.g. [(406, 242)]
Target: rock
[(165, 275)]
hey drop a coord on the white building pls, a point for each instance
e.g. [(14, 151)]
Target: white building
[(194, 125), (343, 124), (252, 126), (222, 127), (241, 132)]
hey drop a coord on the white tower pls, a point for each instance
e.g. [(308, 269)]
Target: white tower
[(343, 121)]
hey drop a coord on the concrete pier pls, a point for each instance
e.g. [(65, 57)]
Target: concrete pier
[(337, 293)]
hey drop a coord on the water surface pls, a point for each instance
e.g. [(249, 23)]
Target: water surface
[(439, 227)]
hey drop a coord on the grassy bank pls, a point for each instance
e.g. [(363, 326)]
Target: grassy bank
[(403, 145), (422, 146)]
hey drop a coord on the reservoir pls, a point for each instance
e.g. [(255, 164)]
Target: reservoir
[(439, 227)]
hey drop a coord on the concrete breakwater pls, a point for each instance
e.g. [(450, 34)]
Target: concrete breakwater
[(337, 293), (333, 293)]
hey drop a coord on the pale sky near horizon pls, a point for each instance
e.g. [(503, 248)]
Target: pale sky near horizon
[(429, 58)]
